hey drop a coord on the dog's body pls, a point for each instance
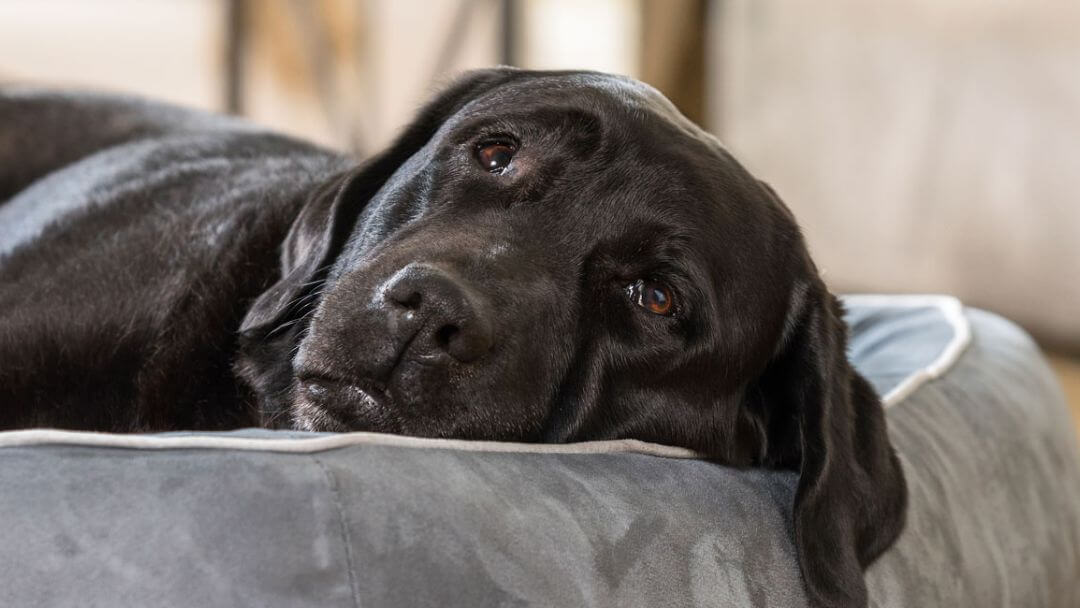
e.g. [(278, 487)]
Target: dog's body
[(539, 257), (127, 268)]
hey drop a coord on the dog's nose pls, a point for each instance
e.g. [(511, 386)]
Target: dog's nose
[(438, 312)]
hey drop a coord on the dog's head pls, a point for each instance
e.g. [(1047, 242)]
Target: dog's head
[(562, 256)]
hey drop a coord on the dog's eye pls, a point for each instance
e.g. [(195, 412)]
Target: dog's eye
[(494, 155), (654, 297)]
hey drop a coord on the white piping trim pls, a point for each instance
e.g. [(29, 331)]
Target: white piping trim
[(950, 307), (953, 311), (328, 442)]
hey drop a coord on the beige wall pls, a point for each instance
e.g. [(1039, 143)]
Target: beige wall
[(170, 49), (601, 35), (925, 146), (345, 73)]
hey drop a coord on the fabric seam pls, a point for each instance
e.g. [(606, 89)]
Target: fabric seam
[(34, 437), (952, 310), (332, 485)]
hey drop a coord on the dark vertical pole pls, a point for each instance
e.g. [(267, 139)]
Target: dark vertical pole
[(508, 38), (673, 52), (235, 39)]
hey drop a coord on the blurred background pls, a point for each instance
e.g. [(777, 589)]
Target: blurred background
[(924, 145)]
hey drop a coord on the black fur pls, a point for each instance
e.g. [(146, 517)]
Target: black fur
[(162, 270)]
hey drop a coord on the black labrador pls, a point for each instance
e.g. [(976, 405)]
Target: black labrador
[(540, 257)]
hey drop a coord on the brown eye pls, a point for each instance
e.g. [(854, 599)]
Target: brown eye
[(656, 298), (494, 156)]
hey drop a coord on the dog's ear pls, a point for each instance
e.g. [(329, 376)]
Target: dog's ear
[(329, 215), (318, 234), (825, 420)]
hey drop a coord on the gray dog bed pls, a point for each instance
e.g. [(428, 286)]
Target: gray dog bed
[(259, 518)]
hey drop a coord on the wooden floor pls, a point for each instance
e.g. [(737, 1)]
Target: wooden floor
[(1069, 372)]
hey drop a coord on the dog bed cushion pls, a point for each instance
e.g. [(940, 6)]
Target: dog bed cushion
[(262, 518)]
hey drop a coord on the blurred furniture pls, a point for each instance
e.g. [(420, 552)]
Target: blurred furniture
[(924, 146)]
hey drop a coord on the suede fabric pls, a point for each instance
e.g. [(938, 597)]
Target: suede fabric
[(987, 446)]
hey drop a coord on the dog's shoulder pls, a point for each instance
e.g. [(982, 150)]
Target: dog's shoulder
[(167, 176), (130, 266)]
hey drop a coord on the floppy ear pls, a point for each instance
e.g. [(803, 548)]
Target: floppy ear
[(322, 228), (328, 217), (826, 421)]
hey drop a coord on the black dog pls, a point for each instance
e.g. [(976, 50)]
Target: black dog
[(540, 256)]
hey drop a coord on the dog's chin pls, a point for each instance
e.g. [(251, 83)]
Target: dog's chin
[(325, 405)]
